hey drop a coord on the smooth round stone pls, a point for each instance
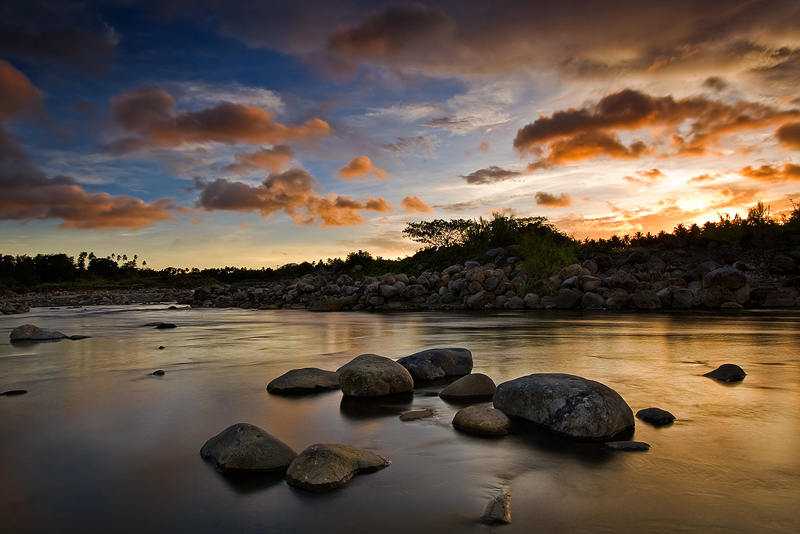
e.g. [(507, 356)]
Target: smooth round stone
[(306, 380), (727, 372), (323, 467), (483, 420), (476, 385), (246, 448), (655, 416), (370, 375)]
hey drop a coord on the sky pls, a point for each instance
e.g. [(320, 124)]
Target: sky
[(256, 133)]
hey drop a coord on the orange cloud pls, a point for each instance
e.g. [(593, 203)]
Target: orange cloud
[(789, 135), (651, 177), (18, 96), (413, 204), (577, 134), (552, 201), (151, 115), (294, 192), (768, 173), (271, 159), (360, 167)]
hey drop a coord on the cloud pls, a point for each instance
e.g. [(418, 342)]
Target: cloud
[(651, 177), (422, 145), (552, 201), (271, 159), (27, 194), (769, 173), (196, 93), (292, 191), (151, 115), (483, 147), (360, 167), (789, 135), (489, 175), (576, 134), (66, 45), (415, 205), (18, 96), (703, 178)]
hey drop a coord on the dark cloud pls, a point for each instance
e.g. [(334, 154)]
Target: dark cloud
[(575, 134), (715, 83), (773, 173), (294, 192), (789, 135), (271, 159), (413, 204), (490, 175), (151, 114), (547, 199)]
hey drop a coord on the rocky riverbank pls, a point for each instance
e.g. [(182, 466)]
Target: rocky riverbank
[(714, 277)]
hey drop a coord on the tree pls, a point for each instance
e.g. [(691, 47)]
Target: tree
[(440, 233)]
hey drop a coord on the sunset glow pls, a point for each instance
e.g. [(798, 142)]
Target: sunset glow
[(255, 133)]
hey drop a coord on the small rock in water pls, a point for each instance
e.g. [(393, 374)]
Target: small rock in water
[(172, 308), (323, 467), (498, 510), (626, 446), (160, 372), (14, 392), (482, 420), (475, 385), (306, 380), (727, 372), (26, 331), (417, 414), (246, 448), (77, 337), (655, 416), (162, 326), (162, 347)]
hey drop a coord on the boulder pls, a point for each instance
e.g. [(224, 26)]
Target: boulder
[(306, 380), (246, 448), (48, 335), (568, 299), (655, 416), (727, 372), (566, 404), (646, 299), (323, 467), (592, 301), (778, 299), (727, 276), (370, 375), (483, 420), (476, 385), (325, 303), (26, 331), (432, 364), (479, 300), (498, 510)]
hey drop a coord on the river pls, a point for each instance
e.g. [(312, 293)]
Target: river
[(99, 444)]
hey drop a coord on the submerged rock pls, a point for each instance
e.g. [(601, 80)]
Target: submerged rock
[(413, 415), (498, 510), (370, 375), (432, 364), (655, 416), (566, 404), (626, 446), (24, 332), (159, 372), (164, 326), (14, 392), (323, 467), (48, 335), (306, 380), (483, 420), (246, 448), (477, 386), (727, 372)]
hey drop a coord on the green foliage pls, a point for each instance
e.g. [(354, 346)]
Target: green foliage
[(544, 252)]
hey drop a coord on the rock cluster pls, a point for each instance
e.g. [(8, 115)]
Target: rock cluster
[(11, 303), (641, 280)]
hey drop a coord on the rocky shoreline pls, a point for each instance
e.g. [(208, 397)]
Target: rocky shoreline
[(714, 277)]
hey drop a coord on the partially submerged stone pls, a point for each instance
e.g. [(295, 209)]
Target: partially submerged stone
[(566, 404), (323, 467), (370, 375), (498, 510), (24, 332), (305, 380), (483, 420), (48, 335), (626, 446), (432, 364), (14, 392), (655, 416), (476, 386), (246, 448), (727, 372), (413, 415)]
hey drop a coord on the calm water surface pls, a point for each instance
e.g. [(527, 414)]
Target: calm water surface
[(100, 445)]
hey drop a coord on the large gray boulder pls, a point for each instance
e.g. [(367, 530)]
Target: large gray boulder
[(476, 385), (24, 332), (432, 364), (566, 404), (323, 467), (246, 448), (370, 375), (306, 380), (325, 303), (727, 276), (483, 420)]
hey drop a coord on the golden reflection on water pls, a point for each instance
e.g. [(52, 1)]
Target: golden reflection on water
[(100, 444)]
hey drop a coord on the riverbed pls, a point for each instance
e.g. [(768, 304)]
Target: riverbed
[(100, 444)]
